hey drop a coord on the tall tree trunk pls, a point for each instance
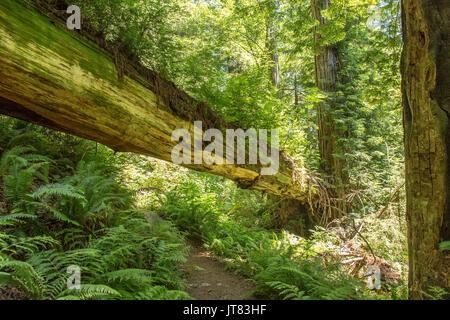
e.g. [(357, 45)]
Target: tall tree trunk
[(326, 67), (271, 44), (274, 67), (426, 108)]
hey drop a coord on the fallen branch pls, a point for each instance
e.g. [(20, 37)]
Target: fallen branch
[(391, 199)]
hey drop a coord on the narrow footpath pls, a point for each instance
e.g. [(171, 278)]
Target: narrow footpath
[(210, 281)]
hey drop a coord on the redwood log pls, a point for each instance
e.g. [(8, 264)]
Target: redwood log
[(73, 82)]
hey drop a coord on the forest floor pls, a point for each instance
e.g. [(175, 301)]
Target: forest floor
[(210, 281)]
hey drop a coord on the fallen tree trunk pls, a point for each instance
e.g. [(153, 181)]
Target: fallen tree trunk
[(71, 82)]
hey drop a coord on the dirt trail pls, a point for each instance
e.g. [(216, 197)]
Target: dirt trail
[(210, 281)]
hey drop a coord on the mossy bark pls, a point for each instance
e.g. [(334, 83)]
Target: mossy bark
[(69, 82), (426, 105), (326, 69)]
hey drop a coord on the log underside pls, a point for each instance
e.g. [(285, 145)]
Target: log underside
[(66, 81)]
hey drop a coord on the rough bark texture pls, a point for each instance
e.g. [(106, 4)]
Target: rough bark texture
[(426, 102), (271, 43), (75, 83), (326, 68), (274, 65)]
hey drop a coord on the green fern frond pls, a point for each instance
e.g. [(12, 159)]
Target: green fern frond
[(15, 218), (90, 292), (162, 293), (57, 214), (14, 155), (27, 245), (24, 276), (59, 190)]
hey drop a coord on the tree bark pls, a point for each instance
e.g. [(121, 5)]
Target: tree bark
[(66, 81), (274, 68), (271, 45), (326, 69), (426, 108)]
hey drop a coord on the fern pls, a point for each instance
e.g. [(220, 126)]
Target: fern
[(445, 245), (72, 238), (128, 281), (52, 265), (17, 246), (18, 185), (20, 169), (287, 291), (120, 255), (59, 190), (13, 156), (15, 218), (162, 293), (308, 279), (90, 292), (56, 214), (22, 275)]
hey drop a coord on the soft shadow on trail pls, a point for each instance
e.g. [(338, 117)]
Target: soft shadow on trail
[(210, 281)]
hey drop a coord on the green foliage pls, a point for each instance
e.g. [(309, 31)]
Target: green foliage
[(90, 292), (287, 291), (280, 270), (22, 275), (435, 293), (445, 245), (18, 246), (67, 201), (145, 28), (75, 213), (304, 280), (20, 167)]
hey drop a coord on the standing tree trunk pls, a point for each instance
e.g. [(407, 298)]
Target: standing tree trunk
[(274, 67), (426, 107), (326, 68), (271, 44)]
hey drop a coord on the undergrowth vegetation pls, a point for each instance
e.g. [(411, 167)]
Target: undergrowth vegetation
[(62, 207), (283, 265), (122, 220)]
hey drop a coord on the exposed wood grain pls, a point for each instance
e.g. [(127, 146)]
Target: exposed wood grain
[(55, 78)]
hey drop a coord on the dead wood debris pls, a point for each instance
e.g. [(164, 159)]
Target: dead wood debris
[(355, 258)]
